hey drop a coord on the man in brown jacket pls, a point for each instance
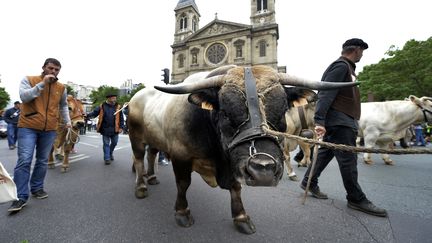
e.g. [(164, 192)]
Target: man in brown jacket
[(43, 97)]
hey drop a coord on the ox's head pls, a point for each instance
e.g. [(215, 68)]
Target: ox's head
[(76, 112), (242, 101), (425, 105)]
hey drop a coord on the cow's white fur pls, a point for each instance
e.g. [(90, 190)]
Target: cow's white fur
[(381, 123)]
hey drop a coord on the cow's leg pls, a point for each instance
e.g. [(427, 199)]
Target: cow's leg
[(370, 139), (242, 221), (151, 158), (290, 171), (182, 171), (51, 164), (306, 154), (65, 165), (138, 163), (386, 157)]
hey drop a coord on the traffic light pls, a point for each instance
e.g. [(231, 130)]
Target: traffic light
[(165, 75)]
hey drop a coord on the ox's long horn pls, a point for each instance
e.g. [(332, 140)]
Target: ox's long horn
[(286, 79), (186, 88)]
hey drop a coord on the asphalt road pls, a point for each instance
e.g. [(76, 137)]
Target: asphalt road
[(94, 202)]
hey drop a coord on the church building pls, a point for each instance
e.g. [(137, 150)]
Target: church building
[(223, 42)]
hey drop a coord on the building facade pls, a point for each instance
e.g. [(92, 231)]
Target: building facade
[(222, 42)]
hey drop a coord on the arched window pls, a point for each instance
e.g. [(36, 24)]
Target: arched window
[(239, 48), (262, 48), (261, 5), (183, 22), (194, 25), (180, 60)]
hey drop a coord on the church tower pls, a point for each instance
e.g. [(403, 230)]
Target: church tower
[(187, 19), (262, 12)]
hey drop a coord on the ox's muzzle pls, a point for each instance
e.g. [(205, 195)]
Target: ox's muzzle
[(262, 169), (78, 124)]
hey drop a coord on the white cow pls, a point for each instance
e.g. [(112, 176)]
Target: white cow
[(381, 123)]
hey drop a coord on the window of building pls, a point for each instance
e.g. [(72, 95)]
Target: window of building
[(261, 6), (239, 51), (194, 54), (216, 53), (262, 48), (183, 22), (194, 25), (239, 44), (180, 60)]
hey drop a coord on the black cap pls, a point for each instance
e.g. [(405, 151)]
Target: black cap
[(111, 95), (355, 42), (17, 102)]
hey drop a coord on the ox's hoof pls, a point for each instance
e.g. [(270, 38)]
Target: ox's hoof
[(64, 169), (301, 165), (245, 225), (141, 192), (389, 162), (51, 166), (293, 177), (368, 162), (152, 180), (184, 219)]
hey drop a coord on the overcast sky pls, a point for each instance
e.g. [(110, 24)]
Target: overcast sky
[(109, 41)]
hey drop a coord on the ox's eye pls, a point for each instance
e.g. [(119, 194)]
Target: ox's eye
[(70, 108)]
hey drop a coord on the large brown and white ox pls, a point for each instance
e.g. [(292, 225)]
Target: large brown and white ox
[(66, 138), (300, 121), (214, 126), (381, 123)]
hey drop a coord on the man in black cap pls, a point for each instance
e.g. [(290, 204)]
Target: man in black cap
[(336, 118), (11, 117), (110, 124)]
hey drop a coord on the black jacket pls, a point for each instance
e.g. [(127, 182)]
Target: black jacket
[(325, 115)]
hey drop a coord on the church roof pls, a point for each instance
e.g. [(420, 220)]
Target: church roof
[(186, 3)]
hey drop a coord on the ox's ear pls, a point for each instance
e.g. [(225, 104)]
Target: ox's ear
[(414, 99), (297, 94), (204, 99)]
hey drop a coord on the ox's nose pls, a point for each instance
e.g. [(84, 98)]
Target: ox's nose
[(262, 168)]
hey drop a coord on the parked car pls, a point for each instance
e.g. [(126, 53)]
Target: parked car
[(3, 129)]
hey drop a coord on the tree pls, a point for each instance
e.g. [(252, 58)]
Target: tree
[(98, 96), (70, 90), (4, 98), (406, 72)]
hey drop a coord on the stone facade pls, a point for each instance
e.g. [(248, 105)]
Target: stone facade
[(222, 42)]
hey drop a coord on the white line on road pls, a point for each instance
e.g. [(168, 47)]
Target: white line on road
[(89, 144)]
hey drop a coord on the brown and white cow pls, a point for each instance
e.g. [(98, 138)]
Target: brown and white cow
[(300, 122), (214, 126), (66, 138), (381, 123)]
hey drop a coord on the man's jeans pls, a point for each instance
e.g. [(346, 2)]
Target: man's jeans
[(107, 147), (12, 134), (28, 140)]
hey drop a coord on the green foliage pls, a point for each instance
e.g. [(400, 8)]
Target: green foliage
[(405, 72), (98, 96), (4, 98), (70, 90)]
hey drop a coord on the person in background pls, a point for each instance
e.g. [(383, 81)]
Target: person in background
[(336, 118), (420, 141), (11, 117), (110, 124), (162, 159), (43, 98)]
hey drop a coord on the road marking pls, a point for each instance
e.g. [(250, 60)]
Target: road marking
[(73, 160), (89, 144)]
